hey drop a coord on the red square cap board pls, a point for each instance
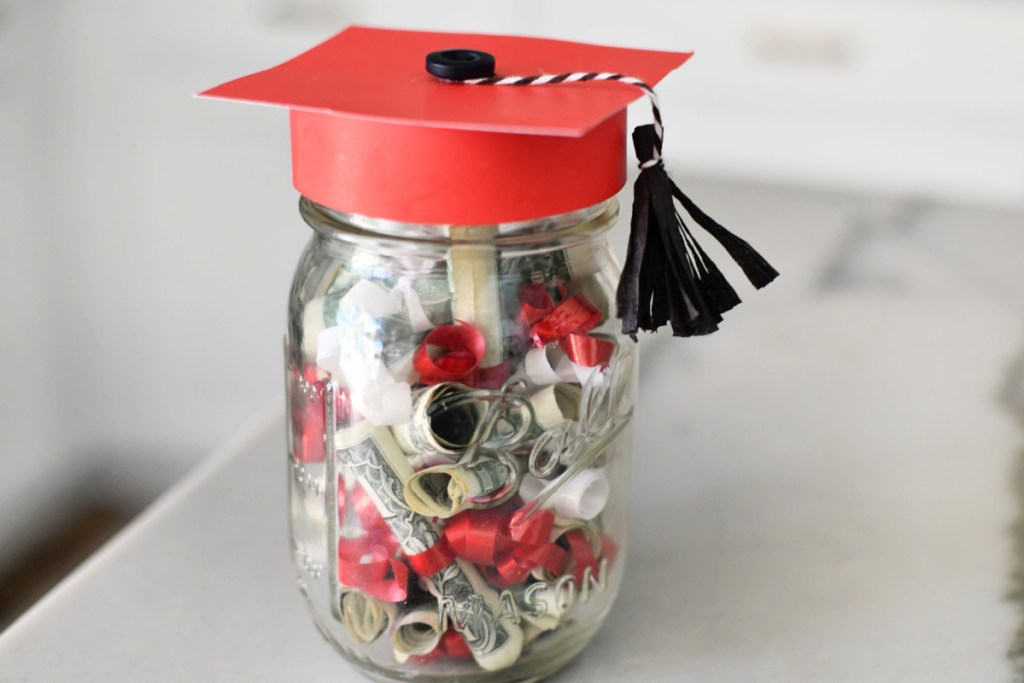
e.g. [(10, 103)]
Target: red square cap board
[(375, 134)]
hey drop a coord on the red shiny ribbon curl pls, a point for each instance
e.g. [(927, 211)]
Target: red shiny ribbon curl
[(535, 302), (582, 349), (372, 568), (574, 315), (485, 538), (307, 414), (582, 554), (567, 323), (368, 561), (432, 560), (450, 353), (377, 534)]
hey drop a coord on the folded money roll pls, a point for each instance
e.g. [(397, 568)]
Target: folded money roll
[(445, 490), (417, 632), (364, 616), (445, 418)]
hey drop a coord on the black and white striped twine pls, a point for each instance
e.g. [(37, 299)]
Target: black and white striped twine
[(581, 77)]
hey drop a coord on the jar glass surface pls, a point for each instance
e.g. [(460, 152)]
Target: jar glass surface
[(460, 401)]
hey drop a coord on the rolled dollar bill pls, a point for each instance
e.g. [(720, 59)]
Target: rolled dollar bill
[(540, 607), (445, 490), (555, 404), (375, 459), (417, 632), (473, 278), (445, 419), (364, 616)]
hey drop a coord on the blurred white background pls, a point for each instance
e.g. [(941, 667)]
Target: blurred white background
[(149, 238)]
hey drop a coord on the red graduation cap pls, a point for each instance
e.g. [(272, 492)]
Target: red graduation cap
[(375, 134)]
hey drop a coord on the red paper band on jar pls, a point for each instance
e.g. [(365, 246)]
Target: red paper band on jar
[(574, 315), (449, 353), (432, 560)]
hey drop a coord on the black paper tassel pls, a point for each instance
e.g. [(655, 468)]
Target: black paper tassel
[(668, 277)]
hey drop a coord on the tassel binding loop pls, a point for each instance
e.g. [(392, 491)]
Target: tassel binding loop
[(668, 277)]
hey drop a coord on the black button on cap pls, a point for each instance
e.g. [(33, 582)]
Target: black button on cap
[(459, 65)]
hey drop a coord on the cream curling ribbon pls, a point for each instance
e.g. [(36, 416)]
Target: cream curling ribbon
[(351, 353), (582, 497), (556, 404), (417, 632), (371, 455), (473, 280), (365, 617)]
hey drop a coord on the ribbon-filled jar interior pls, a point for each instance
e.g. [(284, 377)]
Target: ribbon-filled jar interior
[(460, 403)]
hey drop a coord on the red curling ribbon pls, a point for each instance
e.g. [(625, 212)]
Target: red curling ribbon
[(582, 349), (432, 560), (505, 553), (575, 315), (368, 561), (454, 645), (450, 353), (373, 569), (307, 414), (535, 302), (609, 548), (534, 529), (371, 523), (492, 377), (582, 553)]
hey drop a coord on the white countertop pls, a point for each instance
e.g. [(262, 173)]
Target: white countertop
[(823, 491)]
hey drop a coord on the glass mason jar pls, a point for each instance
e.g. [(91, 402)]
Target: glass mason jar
[(460, 406)]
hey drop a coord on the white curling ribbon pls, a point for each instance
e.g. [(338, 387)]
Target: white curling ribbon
[(371, 298), (351, 352), (587, 373), (582, 497), (539, 370), (375, 393), (417, 632), (413, 306), (328, 350), (383, 401)]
